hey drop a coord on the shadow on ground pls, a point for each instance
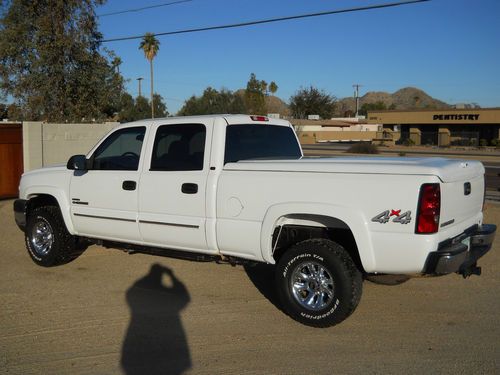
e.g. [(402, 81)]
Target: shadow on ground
[(155, 342), (262, 276)]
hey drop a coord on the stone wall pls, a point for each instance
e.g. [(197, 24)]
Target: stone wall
[(47, 144)]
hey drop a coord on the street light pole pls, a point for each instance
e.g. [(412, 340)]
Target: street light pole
[(356, 95), (139, 80)]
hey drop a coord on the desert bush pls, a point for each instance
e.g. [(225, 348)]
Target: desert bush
[(363, 148), (409, 142)]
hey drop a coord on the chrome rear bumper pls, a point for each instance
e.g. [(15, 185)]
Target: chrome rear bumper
[(461, 253)]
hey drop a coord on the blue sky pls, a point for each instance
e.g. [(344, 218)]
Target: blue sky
[(448, 48)]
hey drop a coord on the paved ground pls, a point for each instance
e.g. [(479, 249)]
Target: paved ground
[(109, 312)]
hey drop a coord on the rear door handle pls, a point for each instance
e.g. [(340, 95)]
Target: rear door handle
[(189, 188), (129, 185)]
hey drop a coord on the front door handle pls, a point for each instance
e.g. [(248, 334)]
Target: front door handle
[(189, 188), (129, 185)]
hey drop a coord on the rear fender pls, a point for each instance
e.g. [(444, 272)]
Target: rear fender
[(305, 213)]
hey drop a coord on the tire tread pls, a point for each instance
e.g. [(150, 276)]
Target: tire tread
[(65, 245), (354, 277)]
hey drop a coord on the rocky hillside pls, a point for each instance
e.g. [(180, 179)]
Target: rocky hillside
[(405, 99)]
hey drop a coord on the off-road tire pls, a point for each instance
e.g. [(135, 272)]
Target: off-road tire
[(47, 240), (334, 283)]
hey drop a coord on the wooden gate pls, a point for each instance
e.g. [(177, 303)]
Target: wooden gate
[(11, 159)]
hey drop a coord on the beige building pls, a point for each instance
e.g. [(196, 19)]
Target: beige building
[(334, 130), (440, 127)]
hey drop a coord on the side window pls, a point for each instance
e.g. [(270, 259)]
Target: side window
[(179, 148), (120, 151)]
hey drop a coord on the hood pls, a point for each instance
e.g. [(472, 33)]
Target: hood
[(50, 168)]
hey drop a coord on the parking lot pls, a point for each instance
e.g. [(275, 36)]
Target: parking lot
[(108, 312)]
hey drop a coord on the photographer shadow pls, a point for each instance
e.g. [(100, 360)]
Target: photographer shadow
[(155, 342)]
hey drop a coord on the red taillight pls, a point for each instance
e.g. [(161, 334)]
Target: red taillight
[(429, 207), (259, 118)]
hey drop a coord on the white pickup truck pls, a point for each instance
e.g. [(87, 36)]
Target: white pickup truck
[(237, 188)]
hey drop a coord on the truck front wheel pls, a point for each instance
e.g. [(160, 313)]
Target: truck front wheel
[(48, 241), (318, 284)]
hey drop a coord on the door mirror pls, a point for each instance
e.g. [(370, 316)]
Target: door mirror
[(77, 162)]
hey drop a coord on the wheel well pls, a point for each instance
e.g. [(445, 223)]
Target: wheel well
[(293, 229), (42, 200)]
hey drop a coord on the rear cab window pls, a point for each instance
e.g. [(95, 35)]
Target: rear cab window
[(260, 142)]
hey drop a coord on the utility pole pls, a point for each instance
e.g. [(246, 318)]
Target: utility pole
[(139, 80), (356, 96)]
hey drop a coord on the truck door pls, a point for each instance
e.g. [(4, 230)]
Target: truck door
[(104, 197), (172, 201)]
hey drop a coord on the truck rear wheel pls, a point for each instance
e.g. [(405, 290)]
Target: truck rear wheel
[(48, 241), (317, 282)]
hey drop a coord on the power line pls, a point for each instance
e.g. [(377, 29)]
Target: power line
[(270, 20), (143, 8)]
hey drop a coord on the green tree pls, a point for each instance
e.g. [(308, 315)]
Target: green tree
[(14, 113), (114, 84), (255, 101), (3, 111), (273, 87), (160, 106), (140, 108), (377, 106), (263, 87), (213, 101), (127, 108), (50, 62), (150, 46), (311, 101)]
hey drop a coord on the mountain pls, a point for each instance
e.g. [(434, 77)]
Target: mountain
[(408, 98)]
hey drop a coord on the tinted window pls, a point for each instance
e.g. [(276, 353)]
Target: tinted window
[(120, 151), (179, 148), (245, 142)]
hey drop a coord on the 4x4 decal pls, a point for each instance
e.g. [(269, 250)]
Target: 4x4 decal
[(401, 218)]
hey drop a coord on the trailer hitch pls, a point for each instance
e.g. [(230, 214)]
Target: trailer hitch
[(472, 269)]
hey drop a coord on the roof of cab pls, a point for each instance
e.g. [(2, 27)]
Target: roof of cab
[(229, 119)]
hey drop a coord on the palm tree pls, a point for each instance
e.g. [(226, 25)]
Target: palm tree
[(150, 45), (273, 87)]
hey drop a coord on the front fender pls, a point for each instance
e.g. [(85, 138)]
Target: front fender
[(61, 198), (353, 218)]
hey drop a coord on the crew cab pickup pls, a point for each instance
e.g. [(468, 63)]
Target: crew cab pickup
[(237, 188)]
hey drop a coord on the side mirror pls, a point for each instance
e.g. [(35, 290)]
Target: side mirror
[(77, 162)]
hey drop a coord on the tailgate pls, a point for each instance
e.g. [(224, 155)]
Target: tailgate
[(462, 192)]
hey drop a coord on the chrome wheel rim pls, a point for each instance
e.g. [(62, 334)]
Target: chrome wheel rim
[(42, 237), (312, 286)]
